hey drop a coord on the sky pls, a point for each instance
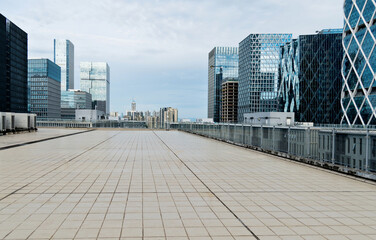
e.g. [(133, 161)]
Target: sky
[(157, 50)]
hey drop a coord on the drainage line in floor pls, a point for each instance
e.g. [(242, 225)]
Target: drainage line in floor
[(43, 140)]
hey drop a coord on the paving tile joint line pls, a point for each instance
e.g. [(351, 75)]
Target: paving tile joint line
[(208, 188), (15, 191)]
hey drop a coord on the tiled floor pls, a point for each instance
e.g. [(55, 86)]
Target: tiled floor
[(173, 185)]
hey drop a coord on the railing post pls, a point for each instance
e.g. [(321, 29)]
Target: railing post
[(228, 132), (309, 142), (243, 133), (367, 151), (233, 133), (288, 140), (333, 144), (262, 136), (273, 139), (250, 135)]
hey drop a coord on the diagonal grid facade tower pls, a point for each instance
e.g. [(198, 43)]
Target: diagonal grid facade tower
[(358, 96)]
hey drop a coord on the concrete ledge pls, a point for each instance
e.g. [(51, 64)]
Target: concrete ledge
[(18, 131)]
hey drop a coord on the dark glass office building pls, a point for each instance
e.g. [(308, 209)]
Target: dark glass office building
[(359, 63), (13, 67), (258, 72), (310, 77), (44, 78), (222, 64)]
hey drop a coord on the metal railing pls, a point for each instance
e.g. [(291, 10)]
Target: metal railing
[(347, 150), (99, 124)]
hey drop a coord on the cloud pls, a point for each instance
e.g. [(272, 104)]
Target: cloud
[(157, 49)]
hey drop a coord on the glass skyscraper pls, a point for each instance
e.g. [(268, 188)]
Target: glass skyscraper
[(258, 72), (95, 79), (223, 63), (44, 88), (64, 57), (359, 63), (13, 67), (310, 79)]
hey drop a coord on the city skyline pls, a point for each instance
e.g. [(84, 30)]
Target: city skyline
[(161, 61)]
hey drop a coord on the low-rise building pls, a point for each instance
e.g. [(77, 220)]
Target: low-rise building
[(74, 99), (89, 115), (270, 118)]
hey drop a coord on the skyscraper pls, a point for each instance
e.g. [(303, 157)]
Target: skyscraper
[(133, 106), (310, 79), (64, 57), (13, 67), (258, 72), (95, 79), (44, 88), (229, 113), (223, 63), (359, 63)]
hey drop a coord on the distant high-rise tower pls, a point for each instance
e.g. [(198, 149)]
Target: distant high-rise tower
[(13, 67), (359, 63), (133, 106), (64, 57), (223, 63), (95, 79), (258, 72)]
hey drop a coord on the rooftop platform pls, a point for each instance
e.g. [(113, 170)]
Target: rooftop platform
[(171, 185)]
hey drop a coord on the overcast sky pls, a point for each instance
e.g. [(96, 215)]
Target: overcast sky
[(158, 49)]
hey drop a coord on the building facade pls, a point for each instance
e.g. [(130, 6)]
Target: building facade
[(310, 79), (229, 113), (77, 99), (74, 99), (13, 67), (44, 89), (288, 78), (358, 94), (95, 79), (89, 115), (223, 63), (168, 115), (64, 57), (258, 72)]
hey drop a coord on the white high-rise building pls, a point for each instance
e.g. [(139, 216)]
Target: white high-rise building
[(64, 57), (95, 79)]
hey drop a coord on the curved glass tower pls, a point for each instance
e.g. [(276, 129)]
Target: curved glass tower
[(358, 99), (310, 79)]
